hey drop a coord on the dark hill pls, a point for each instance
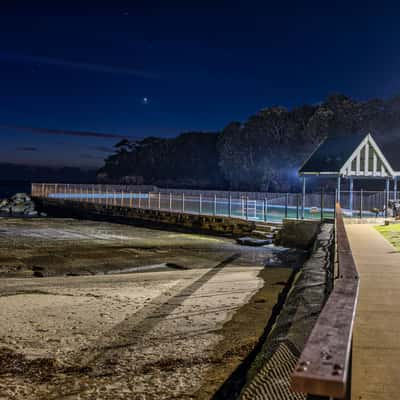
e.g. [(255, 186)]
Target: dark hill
[(262, 153)]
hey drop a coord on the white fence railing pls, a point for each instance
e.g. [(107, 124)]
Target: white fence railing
[(268, 207)]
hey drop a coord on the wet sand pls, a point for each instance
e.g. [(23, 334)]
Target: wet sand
[(81, 331)]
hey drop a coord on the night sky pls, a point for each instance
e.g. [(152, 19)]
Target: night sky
[(69, 75)]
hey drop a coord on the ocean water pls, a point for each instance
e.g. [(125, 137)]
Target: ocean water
[(7, 189)]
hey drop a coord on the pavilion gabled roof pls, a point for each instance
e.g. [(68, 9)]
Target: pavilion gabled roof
[(350, 155)]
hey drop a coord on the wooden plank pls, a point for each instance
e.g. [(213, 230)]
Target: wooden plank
[(323, 366)]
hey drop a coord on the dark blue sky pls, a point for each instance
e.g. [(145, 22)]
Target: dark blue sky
[(199, 66)]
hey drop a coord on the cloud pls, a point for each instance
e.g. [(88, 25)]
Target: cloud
[(61, 132), (104, 149), (27, 148), (22, 59), (91, 157)]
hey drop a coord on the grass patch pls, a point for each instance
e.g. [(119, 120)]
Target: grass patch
[(391, 233)]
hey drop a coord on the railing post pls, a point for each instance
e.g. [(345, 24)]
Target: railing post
[(361, 203), (230, 206), (114, 198), (159, 200), (200, 204), (286, 205), (170, 201), (106, 197), (247, 208), (242, 205), (265, 209), (334, 206), (149, 200), (183, 202), (322, 204), (130, 200), (215, 205), (139, 201), (122, 199)]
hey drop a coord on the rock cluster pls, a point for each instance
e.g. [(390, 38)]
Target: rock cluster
[(20, 204)]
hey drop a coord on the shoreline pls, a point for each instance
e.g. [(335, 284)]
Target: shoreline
[(188, 324)]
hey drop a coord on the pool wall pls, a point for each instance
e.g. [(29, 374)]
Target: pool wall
[(218, 225)]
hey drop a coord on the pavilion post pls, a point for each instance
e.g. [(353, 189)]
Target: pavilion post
[(303, 197), (395, 188), (387, 196), (338, 189), (351, 181)]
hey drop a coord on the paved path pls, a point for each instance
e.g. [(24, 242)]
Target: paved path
[(376, 343)]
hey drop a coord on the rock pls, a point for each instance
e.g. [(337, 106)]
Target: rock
[(18, 208), (20, 203), (31, 213), (249, 241), (21, 197)]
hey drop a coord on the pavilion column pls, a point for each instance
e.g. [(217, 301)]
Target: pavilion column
[(395, 188), (303, 197), (387, 196), (351, 182), (338, 189)]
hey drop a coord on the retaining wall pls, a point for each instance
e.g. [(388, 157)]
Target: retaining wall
[(299, 234), (146, 217), (270, 374)]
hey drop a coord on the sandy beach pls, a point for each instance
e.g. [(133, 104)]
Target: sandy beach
[(74, 325)]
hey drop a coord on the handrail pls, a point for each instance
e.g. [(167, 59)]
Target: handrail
[(324, 367)]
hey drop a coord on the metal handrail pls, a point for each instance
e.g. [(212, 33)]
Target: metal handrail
[(324, 367)]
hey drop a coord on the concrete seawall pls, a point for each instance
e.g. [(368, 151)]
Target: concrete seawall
[(217, 225)]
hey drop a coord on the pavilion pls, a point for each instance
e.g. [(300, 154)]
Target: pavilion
[(350, 157)]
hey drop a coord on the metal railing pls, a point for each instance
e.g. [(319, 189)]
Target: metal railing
[(257, 206), (263, 207), (324, 367)]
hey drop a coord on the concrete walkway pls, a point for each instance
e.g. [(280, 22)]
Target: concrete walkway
[(376, 343)]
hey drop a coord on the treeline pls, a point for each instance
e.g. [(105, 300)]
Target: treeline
[(263, 153)]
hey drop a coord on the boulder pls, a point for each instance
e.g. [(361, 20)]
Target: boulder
[(31, 213), (249, 241), (17, 208), (20, 204), (3, 203)]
